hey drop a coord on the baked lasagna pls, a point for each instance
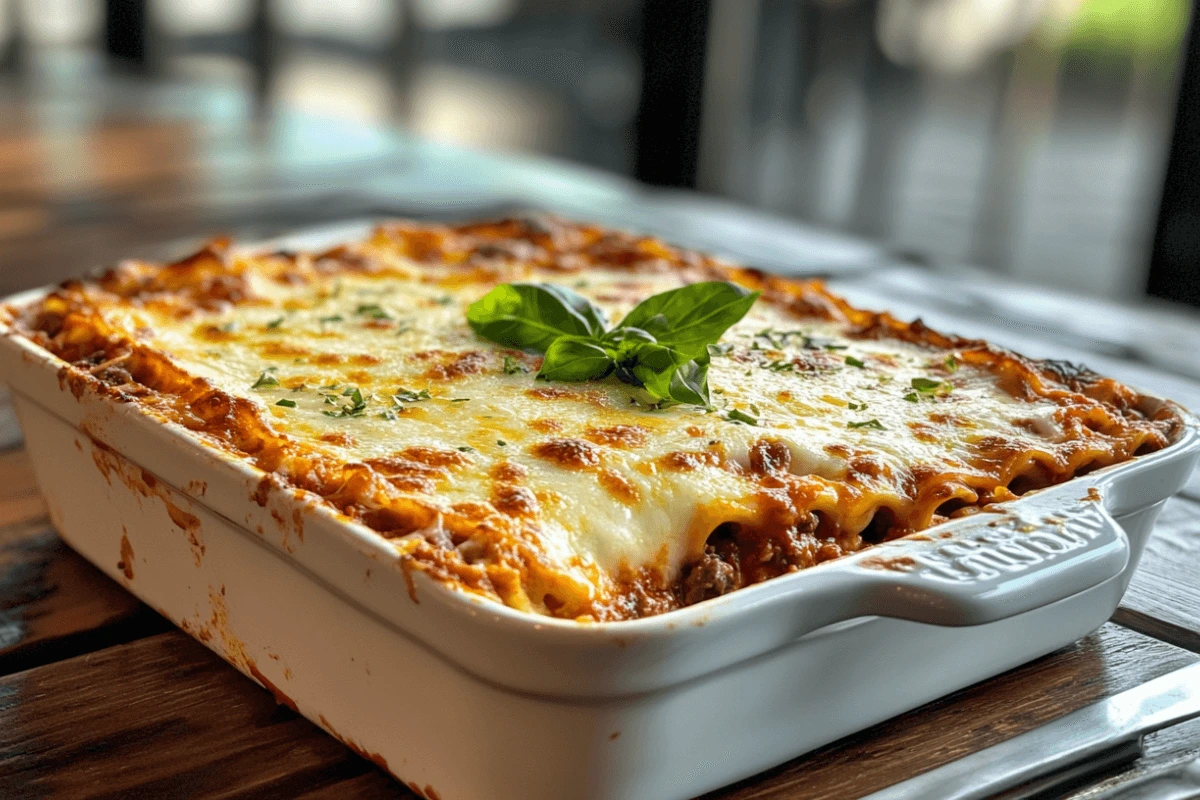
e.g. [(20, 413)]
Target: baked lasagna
[(355, 375)]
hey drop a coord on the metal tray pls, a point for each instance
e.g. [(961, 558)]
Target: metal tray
[(462, 698)]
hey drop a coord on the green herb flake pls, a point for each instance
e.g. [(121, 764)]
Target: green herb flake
[(444, 300), (355, 408), (513, 367), (331, 318), (951, 363), (734, 415), (465, 449), (286, 403), (409, 396), (389, 415), (781, 366), (912, 397), (460, 399), (372, 310), (854, 362), (502, 443), (930, 388), (853, 406), (874, 424), (266, 380), (275, 323)]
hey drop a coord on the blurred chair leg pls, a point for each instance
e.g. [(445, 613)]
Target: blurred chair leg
[(125, 31), (1175, 257), (262, 55), (667, 128), (12, 52)]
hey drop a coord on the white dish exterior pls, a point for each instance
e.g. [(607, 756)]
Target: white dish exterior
[(462, 698)]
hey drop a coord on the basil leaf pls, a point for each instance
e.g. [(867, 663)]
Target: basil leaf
[(692, 317), (623, 343), (669, 374), (533, 315), (575, 358), (689, 384)]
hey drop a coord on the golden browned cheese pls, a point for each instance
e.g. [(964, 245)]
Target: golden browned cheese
[(352, 374)]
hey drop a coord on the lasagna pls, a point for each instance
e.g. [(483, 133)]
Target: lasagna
[(353, 374)]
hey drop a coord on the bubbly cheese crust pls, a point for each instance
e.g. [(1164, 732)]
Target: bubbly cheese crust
[(352, 374)]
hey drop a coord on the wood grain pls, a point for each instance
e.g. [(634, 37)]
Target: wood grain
[(1163, 600), (163, 716), (54, 604), (20, 500), (1108, 662)]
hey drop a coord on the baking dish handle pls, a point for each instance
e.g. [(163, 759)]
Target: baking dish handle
[(993, 566)]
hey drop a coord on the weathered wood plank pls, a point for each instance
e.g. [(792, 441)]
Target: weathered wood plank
[(54, 604), (1108, 662), (20, 500), (10, 429), (1163, 600), (162, 715)]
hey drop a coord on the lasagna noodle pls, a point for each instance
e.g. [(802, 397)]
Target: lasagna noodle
[(352, 374)]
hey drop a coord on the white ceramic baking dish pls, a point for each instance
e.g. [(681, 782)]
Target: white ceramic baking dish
[(464, 699)]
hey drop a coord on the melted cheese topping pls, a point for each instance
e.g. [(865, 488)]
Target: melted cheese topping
[(830, 429)]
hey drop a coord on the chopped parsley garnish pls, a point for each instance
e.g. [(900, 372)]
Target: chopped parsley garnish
[(951, 363), (512, 366), (286, 403), (871, 423), (372, 310), (275, 323), (781, 366), (778, 339), (444, 300), (266, 380), (856, 406), (409, 396), (465, 449), (331, 318), (355, 408), (733, 415), (502, 443), (836, 346), (854, 362), (389, 415), (928, 388), (459, 399)]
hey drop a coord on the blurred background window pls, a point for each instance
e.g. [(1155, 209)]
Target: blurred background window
[(1031, 137)]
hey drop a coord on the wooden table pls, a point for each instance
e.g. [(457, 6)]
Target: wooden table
[(101, 697)]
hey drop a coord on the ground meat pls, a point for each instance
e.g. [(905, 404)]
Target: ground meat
[(709, 577)]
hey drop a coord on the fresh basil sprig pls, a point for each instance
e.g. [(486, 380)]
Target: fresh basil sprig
[(661, 345)]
